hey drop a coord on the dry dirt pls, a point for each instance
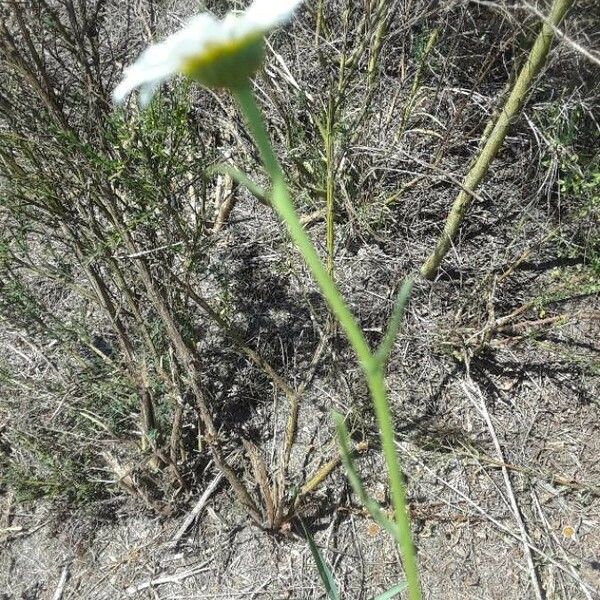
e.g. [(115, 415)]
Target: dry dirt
[(494, 384)]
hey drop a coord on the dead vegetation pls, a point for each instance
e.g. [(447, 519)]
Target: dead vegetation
[(160, 336)]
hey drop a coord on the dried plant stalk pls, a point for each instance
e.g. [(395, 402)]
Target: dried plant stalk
[(531, 69)]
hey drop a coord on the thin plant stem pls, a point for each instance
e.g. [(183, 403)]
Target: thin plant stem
[(431, 41), (371, 364), (282, 203), (330, 186), (319, 22)]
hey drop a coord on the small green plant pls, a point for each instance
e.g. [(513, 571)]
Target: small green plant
[(328, 579), (372, 362), (230, 64), (50, 470), (575, 157)]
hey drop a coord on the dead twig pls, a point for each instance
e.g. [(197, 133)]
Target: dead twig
[(64, 576), (262, 479), (177, 578), (193, 514), (471, 391)]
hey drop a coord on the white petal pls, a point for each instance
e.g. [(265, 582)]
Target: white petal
[(135, 77), (267, 14), (147, 70), (199, 32), (147, 90), (161, 61), (235, 26)]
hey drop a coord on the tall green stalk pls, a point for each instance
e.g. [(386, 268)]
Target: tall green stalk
[(373, 364)]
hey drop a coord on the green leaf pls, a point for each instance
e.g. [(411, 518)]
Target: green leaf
[(371, 505), (324, 571), (240, 178), (393, 591), (385, 348)]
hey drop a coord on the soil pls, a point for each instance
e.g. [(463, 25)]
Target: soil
[(494, 384)]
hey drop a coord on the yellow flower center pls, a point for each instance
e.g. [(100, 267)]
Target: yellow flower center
[(227, 65)]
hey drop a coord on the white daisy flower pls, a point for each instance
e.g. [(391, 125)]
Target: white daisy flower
[(217, 53)]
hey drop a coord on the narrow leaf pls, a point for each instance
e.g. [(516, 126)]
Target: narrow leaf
[(240, 178), (371, 505), (393, 591), (385, 348), (324, 571)]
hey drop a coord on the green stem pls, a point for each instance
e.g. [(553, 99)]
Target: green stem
[(417, 82), (371, 364), (376, 383), (283, 205)]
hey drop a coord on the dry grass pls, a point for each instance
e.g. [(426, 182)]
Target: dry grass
[(494, 380)]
